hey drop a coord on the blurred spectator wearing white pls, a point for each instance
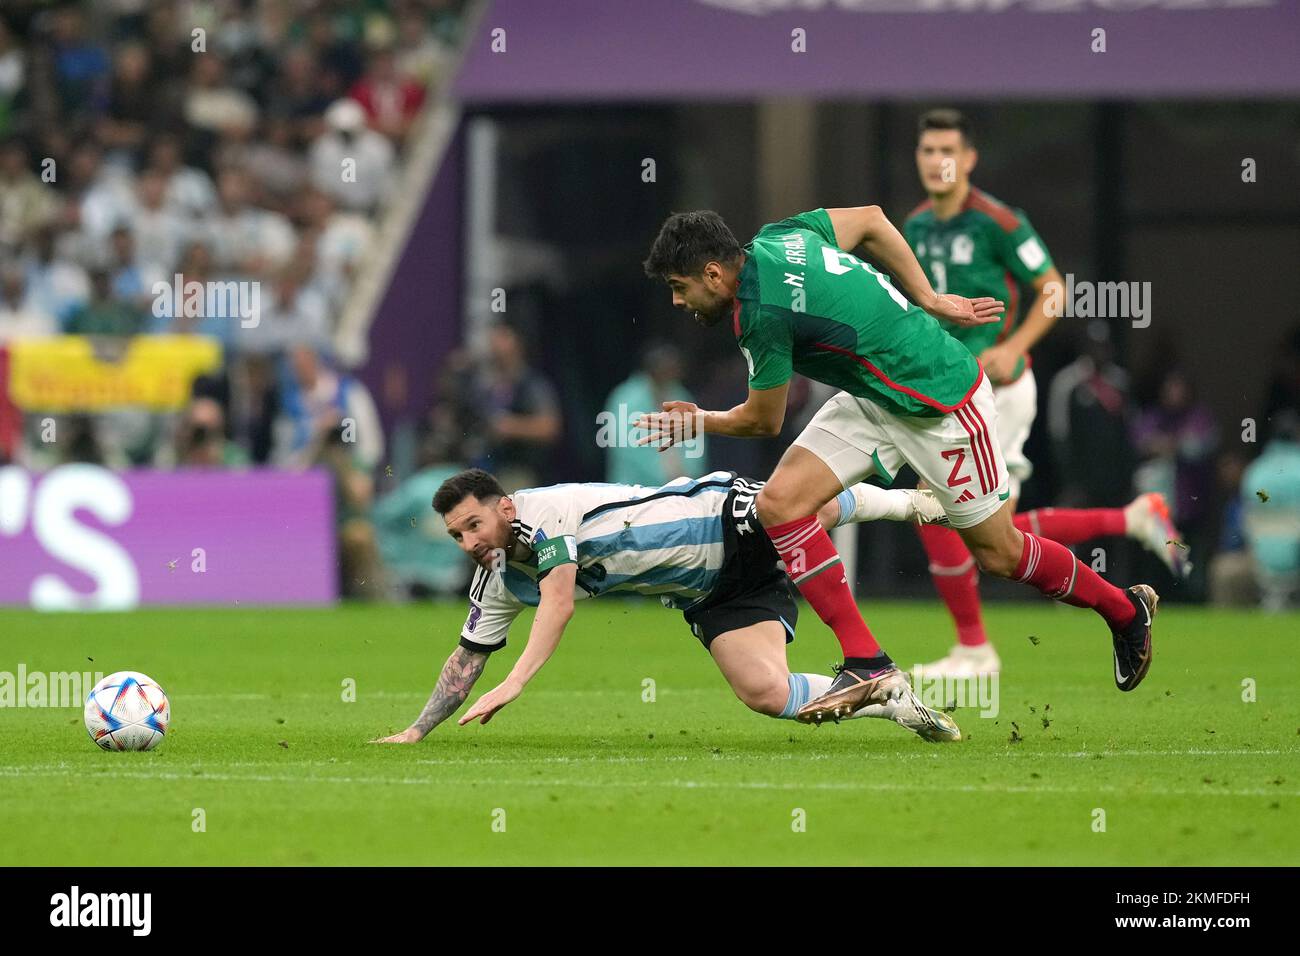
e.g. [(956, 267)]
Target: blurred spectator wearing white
[(12, 75), (17, 318), (292, 312), (195, 266), (133, 281), (187, 190), (161, 233), (251, 242), (55, 286), (212, 104), (342, 240), (348, 138), (26, 203)]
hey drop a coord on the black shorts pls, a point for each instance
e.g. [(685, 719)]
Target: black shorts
[(752, 586)]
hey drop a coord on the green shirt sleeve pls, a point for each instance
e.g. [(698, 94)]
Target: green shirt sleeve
[(815, 220), (766, 341), (1022, 251)]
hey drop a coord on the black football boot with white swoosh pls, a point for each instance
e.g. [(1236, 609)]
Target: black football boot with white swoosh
[(1133, 643)]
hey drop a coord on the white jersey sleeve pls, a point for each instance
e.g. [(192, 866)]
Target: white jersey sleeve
[(492, 609), (547, 520)]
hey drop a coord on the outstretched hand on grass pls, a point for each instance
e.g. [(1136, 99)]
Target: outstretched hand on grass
[(487, 705), (408, 736)]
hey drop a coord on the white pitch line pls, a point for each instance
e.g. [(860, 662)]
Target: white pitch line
[(932, 754), (633, 695), (875, 786)]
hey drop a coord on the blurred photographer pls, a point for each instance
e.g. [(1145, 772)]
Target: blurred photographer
[(200, 440)]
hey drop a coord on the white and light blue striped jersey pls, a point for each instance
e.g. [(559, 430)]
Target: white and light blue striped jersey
[(664, 541)]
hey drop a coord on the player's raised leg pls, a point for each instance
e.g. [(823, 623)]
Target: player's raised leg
[(955, 573), (753, 661), (962, 461), (1051, 568), (1145, 519)]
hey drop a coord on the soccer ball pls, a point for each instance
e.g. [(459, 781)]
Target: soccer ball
[(127, 711)]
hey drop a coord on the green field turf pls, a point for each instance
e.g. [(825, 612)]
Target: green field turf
[(588, 773)]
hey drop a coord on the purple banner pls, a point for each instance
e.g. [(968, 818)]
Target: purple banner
[(418, 320), (548, 50), (82, 537)]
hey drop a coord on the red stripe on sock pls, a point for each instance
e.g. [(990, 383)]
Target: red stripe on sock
[(828, 593), (1050, 568)]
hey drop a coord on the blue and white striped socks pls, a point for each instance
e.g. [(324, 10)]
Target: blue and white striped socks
[(803, 688)]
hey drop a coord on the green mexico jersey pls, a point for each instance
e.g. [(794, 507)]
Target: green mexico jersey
[(806, 306), (987, 249)]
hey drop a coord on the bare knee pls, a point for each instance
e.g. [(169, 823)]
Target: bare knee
[(768, 697), (999, 557), (780, 504)]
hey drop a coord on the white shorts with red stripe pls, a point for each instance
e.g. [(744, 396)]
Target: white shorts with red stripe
[(956, 455), (1017, 406)]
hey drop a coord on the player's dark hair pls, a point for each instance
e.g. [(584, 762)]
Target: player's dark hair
[(688, 242), (457, 488), (946, 119)]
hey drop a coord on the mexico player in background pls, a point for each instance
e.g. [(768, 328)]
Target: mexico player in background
[(970, 244)]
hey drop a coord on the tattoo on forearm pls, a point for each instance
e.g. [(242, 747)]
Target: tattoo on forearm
[(458, 676)]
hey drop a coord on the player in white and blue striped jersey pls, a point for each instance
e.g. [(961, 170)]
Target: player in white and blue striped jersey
[(695, 543)]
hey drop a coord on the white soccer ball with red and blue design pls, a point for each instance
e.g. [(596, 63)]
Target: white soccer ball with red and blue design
[(127, 711)]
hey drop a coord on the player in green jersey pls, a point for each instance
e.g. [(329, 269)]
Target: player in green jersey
[(798, 301), (973, 245)]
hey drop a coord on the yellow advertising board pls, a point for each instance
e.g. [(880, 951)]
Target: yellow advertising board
[(74, 373)]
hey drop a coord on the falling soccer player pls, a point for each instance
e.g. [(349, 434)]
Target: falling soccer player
[(797, 301), (695, 543), (971, 244)]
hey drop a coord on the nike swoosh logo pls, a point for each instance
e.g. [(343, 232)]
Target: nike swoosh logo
[(1119, 675)]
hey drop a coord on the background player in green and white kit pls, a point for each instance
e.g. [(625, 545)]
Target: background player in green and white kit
[(695, 543), (798, 302), (973, 245)]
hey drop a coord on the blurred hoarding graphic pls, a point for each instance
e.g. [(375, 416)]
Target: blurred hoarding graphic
[(73, 373), (82, 537)]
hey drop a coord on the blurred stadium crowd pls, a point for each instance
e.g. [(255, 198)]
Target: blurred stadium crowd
[(185, 142)]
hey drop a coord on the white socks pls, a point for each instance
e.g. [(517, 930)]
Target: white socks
[(864, 502)]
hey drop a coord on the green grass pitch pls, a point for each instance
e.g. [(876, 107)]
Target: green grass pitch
[(586, 772)]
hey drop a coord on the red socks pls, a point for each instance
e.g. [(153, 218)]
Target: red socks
[(1072, 525), (1053, 570), (956, 578), (814, 566)]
